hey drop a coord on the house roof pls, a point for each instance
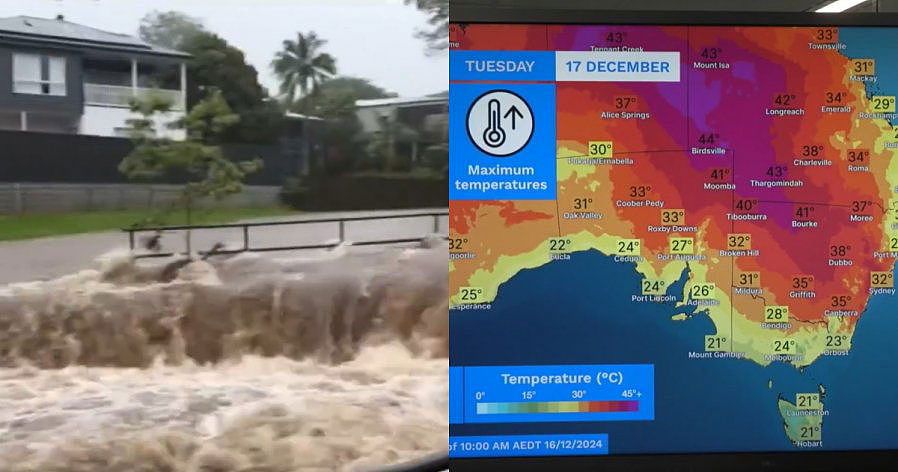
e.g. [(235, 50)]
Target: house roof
[(64, 33), (402, 101)]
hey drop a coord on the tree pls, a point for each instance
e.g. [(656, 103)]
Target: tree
[(334, 100), (199, 157), (339, 90), (301, 66), (437, 36), (216, 65), (170, 29)]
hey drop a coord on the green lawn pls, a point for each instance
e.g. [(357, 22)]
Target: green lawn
[(13, 227)]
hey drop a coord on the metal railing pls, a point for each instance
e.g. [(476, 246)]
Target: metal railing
[(248, 247), (120, 96)]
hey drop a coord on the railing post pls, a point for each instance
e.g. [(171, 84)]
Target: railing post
[(246, 237), (131, 238), (436, 224), (342, 231)]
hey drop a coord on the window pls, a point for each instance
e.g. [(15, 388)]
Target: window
[(56, 82), (39, 75), (26, 72)]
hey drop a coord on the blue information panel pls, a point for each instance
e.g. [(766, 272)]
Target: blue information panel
[(523, 394), (505, 66), (528, 446), (503, 139), (456, 395)]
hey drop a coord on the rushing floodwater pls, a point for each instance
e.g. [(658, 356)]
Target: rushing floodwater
[(243, 364)]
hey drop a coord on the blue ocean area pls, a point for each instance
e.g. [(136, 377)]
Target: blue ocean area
[(874, 43), (580, 311)]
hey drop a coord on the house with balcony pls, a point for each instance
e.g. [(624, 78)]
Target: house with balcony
[(61, 77)]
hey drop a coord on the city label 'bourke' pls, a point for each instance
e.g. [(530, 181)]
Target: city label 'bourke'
[(672, 239)]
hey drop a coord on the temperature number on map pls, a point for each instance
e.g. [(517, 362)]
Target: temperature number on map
[(858, 155), (628, 247), (748, 279), (626, 102), (654, 287), (703, 291), (810, 433), (738, 241), (682, 245), (600, 149), (673, 217), (840, 301), (837, 342), (716, 343), (803, 282), (808, 401), (882, 279), (784, 346), (835, 98), (826, 35), (776, 314), (863, 67), (457, 243), (883, 103), (560, 245), (471, 294)]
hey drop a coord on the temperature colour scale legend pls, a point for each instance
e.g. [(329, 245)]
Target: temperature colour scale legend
[(552, 393), (505, 408)]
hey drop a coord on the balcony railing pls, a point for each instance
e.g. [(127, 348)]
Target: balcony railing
[(120, 96)]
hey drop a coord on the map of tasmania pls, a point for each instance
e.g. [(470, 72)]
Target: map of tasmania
[(758, 190)]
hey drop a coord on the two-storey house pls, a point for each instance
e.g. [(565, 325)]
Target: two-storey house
[(61, 77)]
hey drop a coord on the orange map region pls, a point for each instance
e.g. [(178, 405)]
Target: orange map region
[(767, 173), (768, 154)]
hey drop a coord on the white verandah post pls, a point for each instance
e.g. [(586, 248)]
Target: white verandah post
[(134, 77), (184, 86)]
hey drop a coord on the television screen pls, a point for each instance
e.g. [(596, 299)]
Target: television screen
[(672, 239)]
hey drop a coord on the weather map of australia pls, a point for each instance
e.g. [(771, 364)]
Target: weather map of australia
[(672, 239)]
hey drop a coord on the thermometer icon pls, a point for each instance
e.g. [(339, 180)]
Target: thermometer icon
[(499, 123), (494, 134)]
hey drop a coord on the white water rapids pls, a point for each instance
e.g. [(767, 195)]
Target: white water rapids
[(249, 364)]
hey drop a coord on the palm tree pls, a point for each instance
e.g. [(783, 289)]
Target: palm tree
[(301, 66)]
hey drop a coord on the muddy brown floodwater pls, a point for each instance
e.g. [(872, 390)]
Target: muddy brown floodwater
[(329, 362)]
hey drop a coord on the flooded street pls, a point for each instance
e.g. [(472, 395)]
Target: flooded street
[(329, 360), (46, 258)]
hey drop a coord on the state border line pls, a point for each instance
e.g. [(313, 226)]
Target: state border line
[(732, 179), (624, 153), (732, 153)]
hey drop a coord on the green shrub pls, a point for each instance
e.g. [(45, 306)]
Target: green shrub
[(436, 157), (294, 193)]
